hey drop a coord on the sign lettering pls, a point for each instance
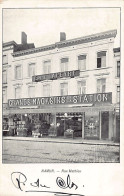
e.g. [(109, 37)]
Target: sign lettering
[(54, 76), (69, 99)]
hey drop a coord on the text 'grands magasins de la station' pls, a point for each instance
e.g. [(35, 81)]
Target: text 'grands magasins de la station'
[(69, 99)]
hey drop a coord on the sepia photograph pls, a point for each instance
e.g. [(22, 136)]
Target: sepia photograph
[(61, 85)]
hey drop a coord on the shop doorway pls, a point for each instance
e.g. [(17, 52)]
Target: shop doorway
[(104, 125)]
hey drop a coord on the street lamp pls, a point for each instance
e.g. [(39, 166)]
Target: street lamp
[(65, 115)]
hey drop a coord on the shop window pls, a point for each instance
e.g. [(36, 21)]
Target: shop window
[(101, 85), (82, 62), (101, 59), (31, 91), (82, 87), (91, 125), (4, 77), (18, 72), (31, 69), (4, 95), (118, 68), (5, 59), (18, 93), (64, 64), (47, 67), (118, 94), (46, 90), (64, 89)]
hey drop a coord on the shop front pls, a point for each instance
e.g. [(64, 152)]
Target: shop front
[(88, 116)]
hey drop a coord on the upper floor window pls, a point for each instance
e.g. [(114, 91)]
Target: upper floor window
[(4, 95), (101, 85), (18, 92), (4, 76), (64, 89), (18, 72), (31, 69), (118, 68), (82, 87), (31, 91), (82, 62), (101, 59), (118, 94), (47, 67), (64, 64), (5, 59), (46, 90)]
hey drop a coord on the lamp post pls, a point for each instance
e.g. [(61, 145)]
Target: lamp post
[(65, 115)]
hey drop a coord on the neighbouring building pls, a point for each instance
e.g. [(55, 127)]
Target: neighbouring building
[(71, 84)]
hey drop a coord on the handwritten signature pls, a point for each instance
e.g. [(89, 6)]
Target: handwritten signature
[(19, 180)]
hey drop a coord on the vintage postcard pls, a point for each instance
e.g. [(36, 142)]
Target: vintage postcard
[(62, 98)]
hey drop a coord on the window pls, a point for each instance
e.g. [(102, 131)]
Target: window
[(18, 74), (82, 87), (46, 90), (5, 59), (4, 77), (101, 59), (118, 94), (47, 67), (4, 95), (101, 85), (64, 89), (18, 93), (31, 69), (31, 91), (118, 68), (64, 64), (82, 62)]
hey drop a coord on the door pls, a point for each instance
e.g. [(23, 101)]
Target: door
[(105, 125)]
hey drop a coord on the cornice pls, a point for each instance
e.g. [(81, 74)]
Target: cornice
[(66, 43)]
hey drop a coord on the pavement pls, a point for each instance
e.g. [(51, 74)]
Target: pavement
[(63, 140)]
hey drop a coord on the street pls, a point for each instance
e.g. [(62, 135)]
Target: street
[(47, 152)]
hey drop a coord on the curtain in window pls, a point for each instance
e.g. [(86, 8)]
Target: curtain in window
[(64, 89), (31, 91), (64, 64), (18, 93), (47, 67), (46, 90), (82, 62), (82, 87), (31, 70), (101, 85)]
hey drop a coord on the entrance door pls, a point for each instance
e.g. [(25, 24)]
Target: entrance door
[(104, 125)]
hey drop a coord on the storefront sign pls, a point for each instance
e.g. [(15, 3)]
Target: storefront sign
[(69, 99), (54, 76)]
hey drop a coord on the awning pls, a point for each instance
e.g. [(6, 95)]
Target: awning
[(51, 109)]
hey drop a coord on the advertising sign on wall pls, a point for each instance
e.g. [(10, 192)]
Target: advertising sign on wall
[(69, 99)]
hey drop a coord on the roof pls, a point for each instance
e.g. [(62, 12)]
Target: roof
[(71, 42), (9, 43), (21, 47)]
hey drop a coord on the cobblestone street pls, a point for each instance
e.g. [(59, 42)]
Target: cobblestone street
[(46, 152)]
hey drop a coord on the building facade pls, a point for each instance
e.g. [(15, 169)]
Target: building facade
[(72, 84)]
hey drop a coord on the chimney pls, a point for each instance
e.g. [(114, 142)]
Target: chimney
[(62, 36), (24, 38)]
